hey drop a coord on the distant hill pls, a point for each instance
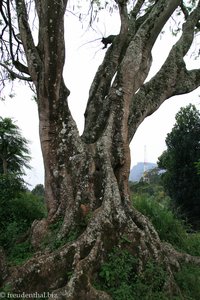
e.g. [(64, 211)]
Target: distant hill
[(137, 170)]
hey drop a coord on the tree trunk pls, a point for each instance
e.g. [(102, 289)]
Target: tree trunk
[(5, 166), (70, 271), (86, 177)]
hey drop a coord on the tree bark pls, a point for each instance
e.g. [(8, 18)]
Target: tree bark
[(86, 177), (5, 166)]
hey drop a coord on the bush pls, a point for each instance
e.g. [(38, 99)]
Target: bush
[(20, 253), (28, 207), (169, 227), (18, 210), (188, 279), (118, 276)]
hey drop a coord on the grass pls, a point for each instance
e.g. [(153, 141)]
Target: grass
[(169, 227), (174, 230)]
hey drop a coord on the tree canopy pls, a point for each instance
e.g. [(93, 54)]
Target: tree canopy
[(14, 151), (179, 160)]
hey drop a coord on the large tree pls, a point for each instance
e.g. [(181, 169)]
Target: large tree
[(87, 176), (179, 160)]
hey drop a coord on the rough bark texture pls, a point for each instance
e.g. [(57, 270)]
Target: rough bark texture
[(3, 266), (86, 177)]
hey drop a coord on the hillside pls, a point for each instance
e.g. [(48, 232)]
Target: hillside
[(137, 170)]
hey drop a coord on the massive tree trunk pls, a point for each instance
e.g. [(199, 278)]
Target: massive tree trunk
[(86, 177)]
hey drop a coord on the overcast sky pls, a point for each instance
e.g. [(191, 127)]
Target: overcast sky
[(81, 65)]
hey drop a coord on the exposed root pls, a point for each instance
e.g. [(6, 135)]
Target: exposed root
[(176, 256), (68, 272)]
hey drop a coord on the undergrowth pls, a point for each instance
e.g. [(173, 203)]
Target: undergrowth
[(169, 227), (119, 277), (20, 253), (175, 231), (52, 241)]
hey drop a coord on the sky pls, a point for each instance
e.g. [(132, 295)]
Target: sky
[(82, 61)]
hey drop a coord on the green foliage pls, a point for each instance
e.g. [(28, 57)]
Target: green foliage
[(124, 270), (173, 230), (38, 190), (53, 240), (18, 209), (17, 218), (188, 279), (119, 277), (169, 227), (154, 176), (181, 180), (14, 152), (148, 190), (197, 164), (20, 253), (31, 207), (10, 188)]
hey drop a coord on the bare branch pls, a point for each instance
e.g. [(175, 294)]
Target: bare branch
[(184, 10), (137, 8), (20, 67), (32, 55), (14, 74)]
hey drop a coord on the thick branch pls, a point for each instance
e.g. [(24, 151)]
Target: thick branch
[(32, 55), (137, 8), (159, 15), (172, 79), (184, 9), (51, 42), (188, 81), (14, 74), (134, 59), (98, 105)]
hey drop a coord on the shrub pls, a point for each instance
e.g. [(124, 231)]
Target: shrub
[(18, 210), (28, 207), (188, 279), (169, 228), (118, 276), (20, 253)]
